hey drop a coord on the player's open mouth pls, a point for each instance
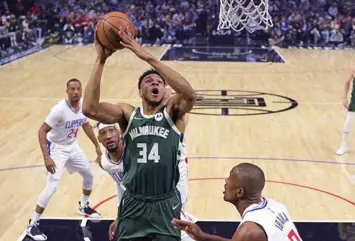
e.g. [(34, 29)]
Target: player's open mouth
[(155, 91), (110, 144)]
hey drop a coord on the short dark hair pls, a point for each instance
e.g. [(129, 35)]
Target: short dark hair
[(250, 177), (73, 80), (149, 72)]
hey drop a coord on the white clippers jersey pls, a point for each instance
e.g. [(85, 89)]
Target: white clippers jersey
[(182, 184), (273, 217), (65, 123), (183, 149), (116, 171)]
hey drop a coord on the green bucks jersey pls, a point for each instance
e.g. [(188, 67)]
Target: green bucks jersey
[(151, 153), (353, 91)]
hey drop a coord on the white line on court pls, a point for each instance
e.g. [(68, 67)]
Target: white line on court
[(278, 52)]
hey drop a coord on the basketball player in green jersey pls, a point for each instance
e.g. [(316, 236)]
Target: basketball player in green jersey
[(350, 115), (152, 136)]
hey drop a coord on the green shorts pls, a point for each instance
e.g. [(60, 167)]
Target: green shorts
[(154, 238), (352, 106), (149, 217)]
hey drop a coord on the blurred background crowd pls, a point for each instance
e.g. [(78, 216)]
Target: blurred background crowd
[(28, 23)]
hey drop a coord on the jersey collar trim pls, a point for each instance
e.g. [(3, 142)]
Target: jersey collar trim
[(71, 107), (145, 116), (257, 207), (109, 159)]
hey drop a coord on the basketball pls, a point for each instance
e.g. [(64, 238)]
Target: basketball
[(108, 27)]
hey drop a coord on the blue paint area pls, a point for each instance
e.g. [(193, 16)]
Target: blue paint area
[(220, 157), (225, 54), (64, 230)]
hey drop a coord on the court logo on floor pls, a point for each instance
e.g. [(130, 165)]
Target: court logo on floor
[(240, 103)]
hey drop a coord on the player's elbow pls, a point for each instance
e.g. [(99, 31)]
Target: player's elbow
[(41, 132), (191, 97), (89, 111), (90, 114)]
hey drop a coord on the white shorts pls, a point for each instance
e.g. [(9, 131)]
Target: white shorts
[(186, 217), (69, 156)]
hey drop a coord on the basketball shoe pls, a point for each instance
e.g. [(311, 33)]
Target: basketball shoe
[(35, 233), (88, 211)]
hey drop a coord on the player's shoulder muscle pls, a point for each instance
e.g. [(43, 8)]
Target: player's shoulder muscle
[(126, 110), (55, 115), (250, 231)]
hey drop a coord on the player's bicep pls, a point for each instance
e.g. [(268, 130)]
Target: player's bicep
[(111, 113), (250, 231), (45, 127)]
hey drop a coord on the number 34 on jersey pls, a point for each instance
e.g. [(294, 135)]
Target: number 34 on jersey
[(144, 155)]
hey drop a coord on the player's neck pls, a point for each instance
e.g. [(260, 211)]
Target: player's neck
[(150, 110), (74, 105), (115, 156), (244, 204)]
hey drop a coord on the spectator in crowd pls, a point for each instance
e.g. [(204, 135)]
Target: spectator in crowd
[(24, 24)]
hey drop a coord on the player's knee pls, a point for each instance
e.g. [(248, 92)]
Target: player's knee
[(88, 179), (48, 192)]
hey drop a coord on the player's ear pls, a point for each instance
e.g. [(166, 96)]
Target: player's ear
[(240, 193), (140, 92)]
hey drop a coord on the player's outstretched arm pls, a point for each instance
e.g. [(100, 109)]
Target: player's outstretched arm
[(103, 112), (90, 133), (185, 97), (249, 231)]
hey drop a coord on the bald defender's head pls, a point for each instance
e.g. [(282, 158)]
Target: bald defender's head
[(246, 181)]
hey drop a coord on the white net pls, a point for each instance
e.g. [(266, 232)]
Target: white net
[(251, 15)]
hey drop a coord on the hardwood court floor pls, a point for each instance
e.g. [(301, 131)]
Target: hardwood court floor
[(295, 148)]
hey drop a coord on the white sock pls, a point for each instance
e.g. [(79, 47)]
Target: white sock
[(344, 141), (85, 200), (36, 217)]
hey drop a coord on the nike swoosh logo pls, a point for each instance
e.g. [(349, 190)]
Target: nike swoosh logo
[(176, 206), (136, 118)]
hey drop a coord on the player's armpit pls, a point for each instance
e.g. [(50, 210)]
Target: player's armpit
[(179, 105), (109, 113), (250, 231)]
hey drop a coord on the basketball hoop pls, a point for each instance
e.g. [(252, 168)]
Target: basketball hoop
[(251, 15)]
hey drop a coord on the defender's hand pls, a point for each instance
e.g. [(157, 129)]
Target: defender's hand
[(50, 165), (345, 103), (192, 229), (112, 230)]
